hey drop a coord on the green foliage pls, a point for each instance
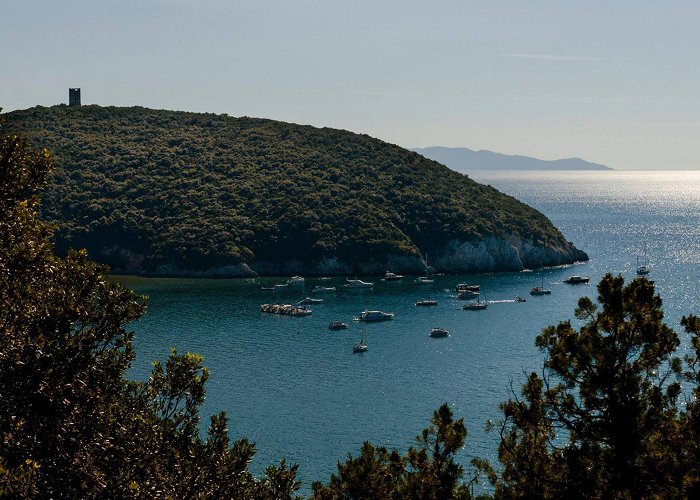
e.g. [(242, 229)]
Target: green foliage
[(426, 471), (71, 425), (603, 422), (143, 188)]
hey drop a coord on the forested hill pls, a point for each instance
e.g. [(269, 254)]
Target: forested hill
[(175, 193)]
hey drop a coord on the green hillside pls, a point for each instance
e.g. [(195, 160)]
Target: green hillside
[(166, 192)]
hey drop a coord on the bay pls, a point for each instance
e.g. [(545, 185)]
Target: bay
[(296, 389)]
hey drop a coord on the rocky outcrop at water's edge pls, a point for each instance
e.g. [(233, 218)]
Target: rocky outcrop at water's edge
[(488, 255)]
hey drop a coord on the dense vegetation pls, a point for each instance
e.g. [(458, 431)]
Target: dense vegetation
[(614, 414), (141, 188)]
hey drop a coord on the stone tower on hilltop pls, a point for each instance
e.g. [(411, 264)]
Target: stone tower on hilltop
[(74, 97)]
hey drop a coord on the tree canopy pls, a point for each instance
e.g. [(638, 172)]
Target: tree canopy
[(71, 424), (603, 421)]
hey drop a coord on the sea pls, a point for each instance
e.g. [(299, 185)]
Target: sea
[(296, 389)]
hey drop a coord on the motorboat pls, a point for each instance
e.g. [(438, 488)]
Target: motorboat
[(520, 299), (467, 294), (267, 288), (337, 325), (371, 316), (461, 287), (389, 276), (439, 332), (476, 305), (324, 289), (295, 280), (426, 303), (355, 283), (308, 301), (424, 280), (576, 280)]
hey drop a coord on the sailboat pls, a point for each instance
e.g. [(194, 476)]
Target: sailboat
[(644, 269), (360, 346), (429, 271), (540, 290)]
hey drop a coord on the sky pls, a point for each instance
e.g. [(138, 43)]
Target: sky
[(613, 82)]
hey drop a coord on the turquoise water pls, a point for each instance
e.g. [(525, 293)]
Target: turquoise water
[(295, 388)]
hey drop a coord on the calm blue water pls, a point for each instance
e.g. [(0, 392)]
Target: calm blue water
[(296, 389)]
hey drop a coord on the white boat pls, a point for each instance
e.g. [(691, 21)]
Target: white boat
[(467, 294), (389, 276), (359, 347), (308, 301), (461, 287), (520, 299), (355, 283), (540, 290), (426, 302), (476, 305), (286, 309), (643, 269), (337, 325), (439, 332), (324, 289), (370, 316), (295, 280), (424, 280)]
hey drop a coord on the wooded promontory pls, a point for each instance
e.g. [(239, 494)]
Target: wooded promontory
[(158, 192)]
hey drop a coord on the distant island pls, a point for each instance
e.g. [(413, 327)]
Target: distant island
[(170, 193), (465, 160)]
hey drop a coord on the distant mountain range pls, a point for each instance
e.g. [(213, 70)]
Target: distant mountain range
[(464, 160)]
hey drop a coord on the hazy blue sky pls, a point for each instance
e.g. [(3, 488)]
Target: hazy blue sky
[(615, 82)]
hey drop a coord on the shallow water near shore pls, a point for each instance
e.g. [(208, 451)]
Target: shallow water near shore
[(296, 389)]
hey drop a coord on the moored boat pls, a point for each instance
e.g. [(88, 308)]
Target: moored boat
[(337, 325), (308, 300), (540, 290), (371, 316), (465, 287), (295, 280), (426, 302), (286, 309), (355, 283), (576, 280), (324, 289), (467, 294), (359, 347), (476, 305), (389, 276), (424, 280), (643, 269), (439, 332)]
